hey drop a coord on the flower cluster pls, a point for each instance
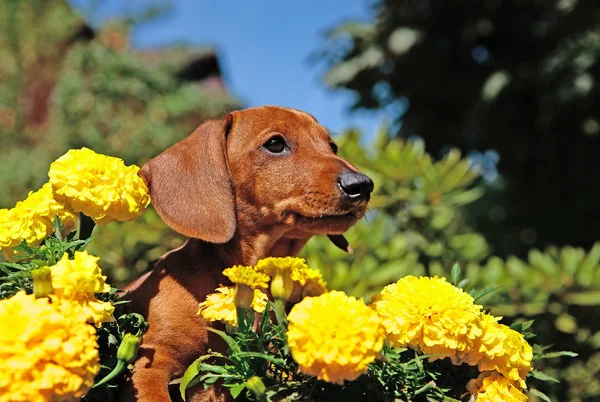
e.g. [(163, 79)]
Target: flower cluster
[(434, 317), (46, 351), (334, 337), (31, 220), (250, 279), (99, 186)]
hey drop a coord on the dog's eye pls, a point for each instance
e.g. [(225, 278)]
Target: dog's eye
[(275, 144), (333, 147)]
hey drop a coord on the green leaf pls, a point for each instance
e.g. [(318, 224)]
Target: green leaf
[(553, 355), (455, 274), (212, 368), (233, 345), (272, 359), (542, 376), (539, 394), (425, 388), (58, 227), (485, 292), (192, 371), (236, 389)]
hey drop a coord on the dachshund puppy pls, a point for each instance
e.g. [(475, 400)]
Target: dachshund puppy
[(258, 183)]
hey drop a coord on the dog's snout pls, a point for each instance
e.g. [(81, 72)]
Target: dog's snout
[(355, 186)]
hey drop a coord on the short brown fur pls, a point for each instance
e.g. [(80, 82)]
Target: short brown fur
[(238, 203)]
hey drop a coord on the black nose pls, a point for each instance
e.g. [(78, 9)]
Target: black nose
[(355, 186)]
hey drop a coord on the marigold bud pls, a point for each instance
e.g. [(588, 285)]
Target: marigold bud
[(128, 349), (42, 282), (282, 285), (244, 295), (256, 386)]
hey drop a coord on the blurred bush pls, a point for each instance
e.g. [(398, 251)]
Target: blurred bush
[(64, 85), (417, 225), (417, 222)]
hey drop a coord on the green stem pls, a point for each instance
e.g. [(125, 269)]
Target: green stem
[(242, 319), (117, 371), (86, 226), (279, 308)]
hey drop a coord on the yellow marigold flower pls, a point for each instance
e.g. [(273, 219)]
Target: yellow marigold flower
[(99, 186), (293, 273), (429, 315), (493, 387), (32, 219), (220, 306), (45, 355), (245, 275), (314, 286), (334, 337), (500, 349), (296, 267), (77, 281)]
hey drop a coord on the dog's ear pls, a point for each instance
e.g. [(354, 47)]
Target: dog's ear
[(190, 185)]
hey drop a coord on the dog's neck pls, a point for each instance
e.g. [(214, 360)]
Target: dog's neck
[(259, 234), (243, 250)]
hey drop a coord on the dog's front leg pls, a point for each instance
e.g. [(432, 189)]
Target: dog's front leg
[(149, 380)]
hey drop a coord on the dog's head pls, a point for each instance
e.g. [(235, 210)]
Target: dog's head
[(276, 166)]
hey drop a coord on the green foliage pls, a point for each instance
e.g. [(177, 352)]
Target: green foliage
[(16, 276), (418, 221), (114, 104), (257, 349), (263, 352), (559, 287), (517, 77)]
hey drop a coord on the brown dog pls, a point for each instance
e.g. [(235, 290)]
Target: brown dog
[(258, 183)]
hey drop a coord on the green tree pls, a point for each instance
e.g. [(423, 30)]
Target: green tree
[(519, 77)]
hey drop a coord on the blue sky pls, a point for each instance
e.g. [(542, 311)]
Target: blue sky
[(264, 46)]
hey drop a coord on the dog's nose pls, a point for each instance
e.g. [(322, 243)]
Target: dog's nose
[(355, 186)]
